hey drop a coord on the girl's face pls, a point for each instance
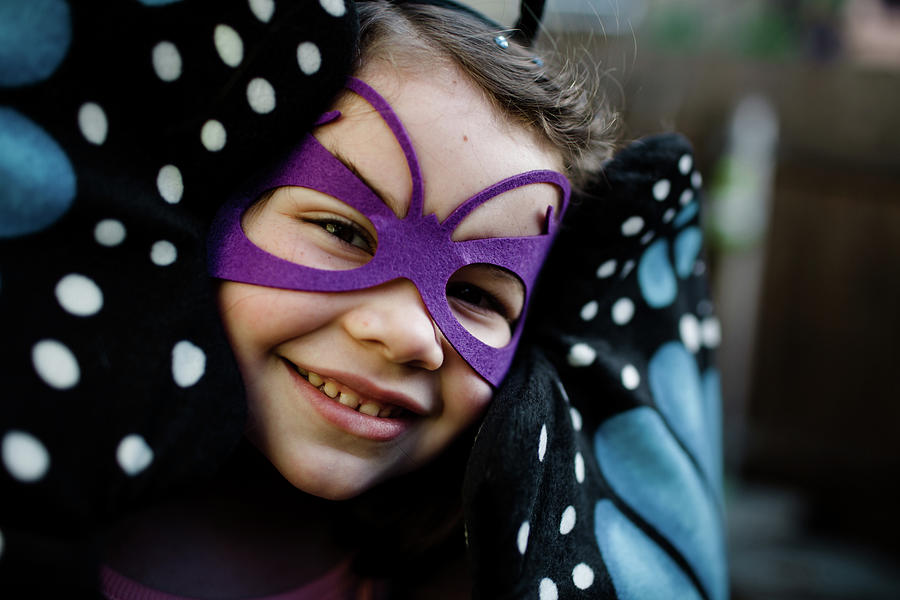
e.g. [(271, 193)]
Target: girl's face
[(348, 389)]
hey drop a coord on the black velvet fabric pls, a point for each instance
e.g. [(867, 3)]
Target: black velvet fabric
[(146, 367), (596, 472)]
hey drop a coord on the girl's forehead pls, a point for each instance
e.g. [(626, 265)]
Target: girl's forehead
[(463, 145)]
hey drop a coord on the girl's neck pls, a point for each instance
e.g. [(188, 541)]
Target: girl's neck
[(247, 533)]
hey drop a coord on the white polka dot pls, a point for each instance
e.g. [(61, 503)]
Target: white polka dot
[(699, 267), (522, 537), (685, 163), (668, 215), (589, 310), (163, 253), (547, 590), (170, 184), (263, 9), (24, 456), (562, 390), (229, 45), (79, 295), (696, 179), (567, 523), (689, 328), (309, 58), (661, 189), (579, 467), (622, 311), (92, 122), (133, 454), (631, 378), (581, 355), (606, 269), (261, 96), (109, 232), (645, 239), (582, 576), (711, 332), (626, 269), (213, 135), (576, 418), (188, 363), (55, 364), (686, 196), (542, 443), (335, 8), (166, 61), (632, 226)]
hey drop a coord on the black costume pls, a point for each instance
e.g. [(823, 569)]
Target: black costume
[(123, 125)]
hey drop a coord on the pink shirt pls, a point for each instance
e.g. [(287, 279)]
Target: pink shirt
[(340, 583)]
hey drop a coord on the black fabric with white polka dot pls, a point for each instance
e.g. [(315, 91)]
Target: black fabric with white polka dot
[(123, 127), (597, 472)]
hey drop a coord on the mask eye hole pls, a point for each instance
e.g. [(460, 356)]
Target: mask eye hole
[(311, 229), (487, 300)]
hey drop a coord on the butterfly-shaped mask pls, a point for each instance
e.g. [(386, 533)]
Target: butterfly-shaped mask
[(416, 247)]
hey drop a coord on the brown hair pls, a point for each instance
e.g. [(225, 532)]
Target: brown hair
[(543, 93)]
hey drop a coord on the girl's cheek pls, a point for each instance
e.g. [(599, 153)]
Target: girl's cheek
[(465, 392)]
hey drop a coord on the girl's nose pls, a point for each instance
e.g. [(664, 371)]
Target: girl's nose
[(393, 318)]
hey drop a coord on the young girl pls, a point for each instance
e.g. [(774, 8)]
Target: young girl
[(373, 281), (374, 288)]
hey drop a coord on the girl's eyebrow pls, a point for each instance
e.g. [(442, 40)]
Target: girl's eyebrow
[(385, 197)]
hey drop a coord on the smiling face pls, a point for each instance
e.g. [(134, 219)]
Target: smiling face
[(350, 388)]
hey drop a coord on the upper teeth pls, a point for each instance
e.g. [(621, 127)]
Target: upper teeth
[(346, 397)]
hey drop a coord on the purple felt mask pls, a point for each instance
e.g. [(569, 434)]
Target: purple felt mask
[(416, 247)]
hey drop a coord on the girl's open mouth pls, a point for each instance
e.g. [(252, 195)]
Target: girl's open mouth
[(340, 393)]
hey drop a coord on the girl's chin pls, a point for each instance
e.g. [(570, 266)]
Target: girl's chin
[(331, 480), (332, 490)]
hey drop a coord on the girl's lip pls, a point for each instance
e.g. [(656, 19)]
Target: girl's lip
[(354, 422)]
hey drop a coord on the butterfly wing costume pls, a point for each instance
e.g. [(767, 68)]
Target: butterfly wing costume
[(124, 126)]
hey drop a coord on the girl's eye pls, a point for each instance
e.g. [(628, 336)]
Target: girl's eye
[(476, 297), (348, 233)]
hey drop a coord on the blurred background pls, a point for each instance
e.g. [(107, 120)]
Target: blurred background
[(793, 107)]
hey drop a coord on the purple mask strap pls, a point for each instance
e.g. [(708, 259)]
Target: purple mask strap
[(387, 113), (327, 118), (510, 183)]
